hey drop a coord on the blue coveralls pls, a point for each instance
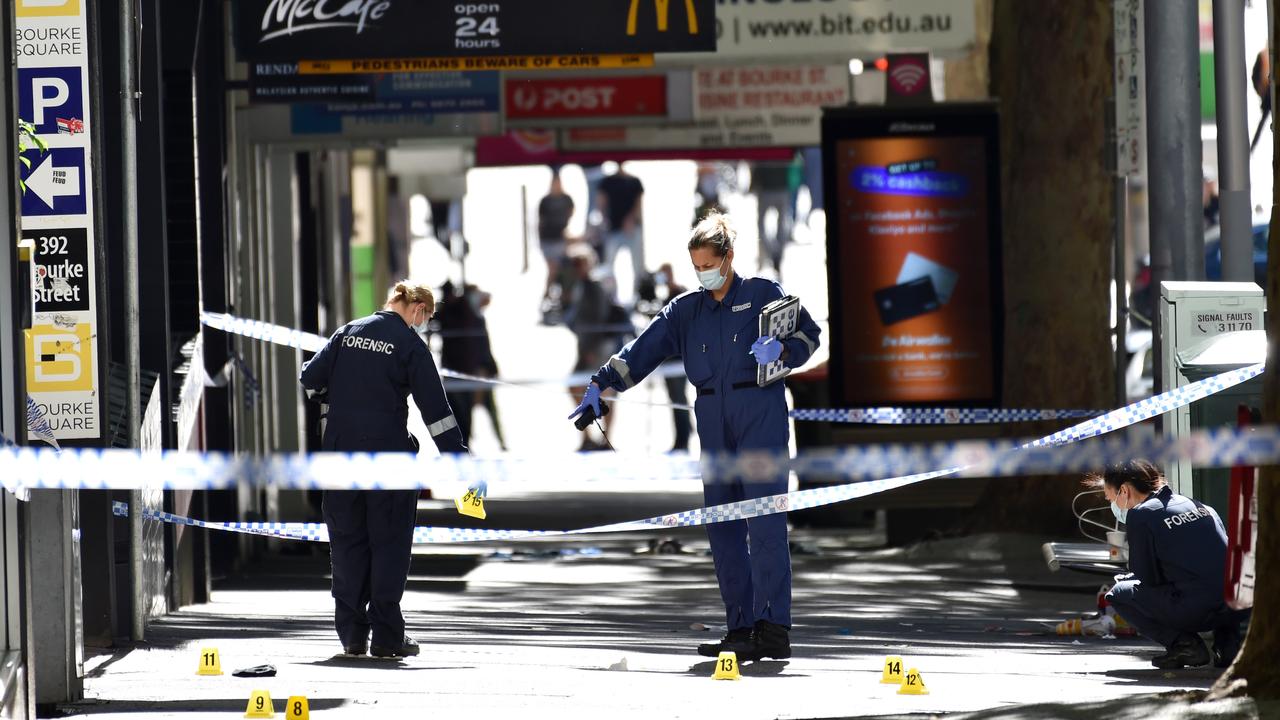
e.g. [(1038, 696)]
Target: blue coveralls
[(367, 369), (752, 560), (1177, 561)]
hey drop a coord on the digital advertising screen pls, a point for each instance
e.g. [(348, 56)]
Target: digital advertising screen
[(913, 255)]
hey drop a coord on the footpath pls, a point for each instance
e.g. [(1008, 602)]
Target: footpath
[(593, 627)]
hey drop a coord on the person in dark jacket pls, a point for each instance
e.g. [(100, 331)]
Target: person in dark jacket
[(466, 348), (1177, 564), (715, 331), (365, 373)]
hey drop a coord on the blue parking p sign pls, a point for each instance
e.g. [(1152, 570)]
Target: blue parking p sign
[(52, 99)]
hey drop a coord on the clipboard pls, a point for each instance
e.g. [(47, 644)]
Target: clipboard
[(779, 320)]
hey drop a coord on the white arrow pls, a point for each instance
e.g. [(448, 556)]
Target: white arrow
[(48, 182)]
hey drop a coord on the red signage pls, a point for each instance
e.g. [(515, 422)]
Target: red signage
[(594, 97)]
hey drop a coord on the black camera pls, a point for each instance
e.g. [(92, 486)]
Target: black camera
[(589, 416)]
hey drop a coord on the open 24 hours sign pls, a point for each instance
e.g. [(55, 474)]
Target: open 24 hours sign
[(283, 30)]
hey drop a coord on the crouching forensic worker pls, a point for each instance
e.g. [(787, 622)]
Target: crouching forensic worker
[(366, 371), (1177, 561), (715, 331)]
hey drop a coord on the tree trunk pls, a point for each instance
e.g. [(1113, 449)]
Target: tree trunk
[(1256, 671), (1051, 70)]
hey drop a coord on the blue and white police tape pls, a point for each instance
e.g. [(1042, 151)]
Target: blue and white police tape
[(1224, 447), (31, 468), (936, 416), (454, 381), (460, 382), (318, 532)]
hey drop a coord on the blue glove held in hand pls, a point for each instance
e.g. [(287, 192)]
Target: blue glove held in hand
[(766, 350), (590, 400)]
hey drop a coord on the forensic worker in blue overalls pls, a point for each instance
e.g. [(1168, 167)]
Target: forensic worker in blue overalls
[(365, 372), (715, 331), (1177, 562)]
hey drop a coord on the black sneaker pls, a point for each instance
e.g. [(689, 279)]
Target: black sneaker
[(770, 640), (735, 641), (356, 649), (1187, 651), (408, 648)]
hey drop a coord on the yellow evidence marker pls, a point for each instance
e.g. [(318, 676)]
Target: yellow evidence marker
[(210, 664), (260, 705), (297, 708), (472, 504), (727, 667), (892, 671), (913, 684)]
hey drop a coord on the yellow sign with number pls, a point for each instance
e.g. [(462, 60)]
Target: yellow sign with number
[(892, 671), (260, 705), (210, 664), (471, 504), (297, 708), (913, 684), (727, 667)]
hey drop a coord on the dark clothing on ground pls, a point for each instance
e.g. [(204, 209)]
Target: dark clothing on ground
[(366, 371), (1177, 559)]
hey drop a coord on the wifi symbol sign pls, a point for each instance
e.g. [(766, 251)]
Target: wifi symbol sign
[(908, 77)]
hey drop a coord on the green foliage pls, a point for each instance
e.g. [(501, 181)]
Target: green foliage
[(28, 139)]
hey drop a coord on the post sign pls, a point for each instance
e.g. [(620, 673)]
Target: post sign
[(336, 29), (585, 97), (913, 247), (57, 216)]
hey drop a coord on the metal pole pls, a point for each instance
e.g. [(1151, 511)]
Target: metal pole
[(1173, 140), (133, 361), (1120, 268), (1230, 82), (1174, 173)]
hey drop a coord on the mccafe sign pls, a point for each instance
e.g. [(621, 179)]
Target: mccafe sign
[(293, 30)]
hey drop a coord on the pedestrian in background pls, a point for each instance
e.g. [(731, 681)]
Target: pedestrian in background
[(554, 211), (466, 348)]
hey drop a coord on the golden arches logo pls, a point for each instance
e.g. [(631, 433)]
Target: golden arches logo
[(662, 8)]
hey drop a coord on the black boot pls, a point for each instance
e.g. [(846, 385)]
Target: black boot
[(1187, 651), (771, 640), (736, 641)]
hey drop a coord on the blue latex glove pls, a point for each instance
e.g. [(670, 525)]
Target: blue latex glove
[(766, 350), (590, 400)]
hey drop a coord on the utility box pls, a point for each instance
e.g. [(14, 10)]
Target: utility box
[(1208, 328)]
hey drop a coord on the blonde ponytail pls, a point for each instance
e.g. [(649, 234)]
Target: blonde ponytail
[(408, 293)]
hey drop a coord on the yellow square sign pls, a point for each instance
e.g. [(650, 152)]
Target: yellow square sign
[(60, 360), (48, 8)]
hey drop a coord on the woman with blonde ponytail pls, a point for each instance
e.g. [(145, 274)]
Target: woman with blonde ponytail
[(365, 373)]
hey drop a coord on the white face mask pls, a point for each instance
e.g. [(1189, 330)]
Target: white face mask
[(421, 328), (711, 279)]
